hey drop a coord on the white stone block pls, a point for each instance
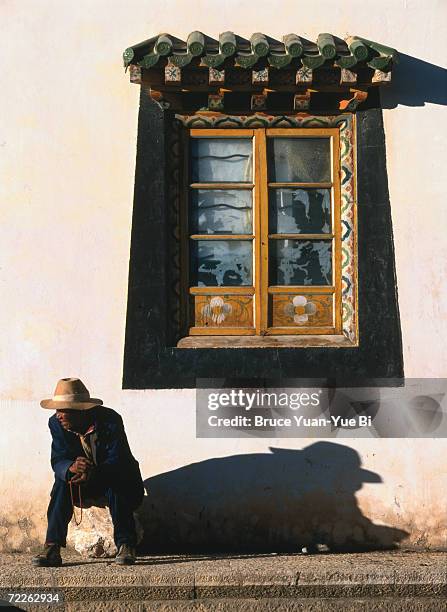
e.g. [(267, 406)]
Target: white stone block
[(94, 536)]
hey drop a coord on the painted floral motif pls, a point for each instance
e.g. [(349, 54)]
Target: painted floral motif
[(347, 76), (381, 77), (258, 101), (304, 75), (172, 73), (215, 102), (300, 309), (135, 74), (216, 76), (260, 76), (217, 310), (301, 101)]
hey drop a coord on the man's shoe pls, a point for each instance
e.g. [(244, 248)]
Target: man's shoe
[(126, 555), (50, 556)]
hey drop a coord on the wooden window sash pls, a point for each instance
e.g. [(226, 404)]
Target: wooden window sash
[(239, 290), (261, 240), (247, 186), (260, 237), (222, 331), (301, 289), (301, 185), (221, 236), (301, 236), (298, 331)]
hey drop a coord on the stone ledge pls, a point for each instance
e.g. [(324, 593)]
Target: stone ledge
[(201, 577), (309, 604)]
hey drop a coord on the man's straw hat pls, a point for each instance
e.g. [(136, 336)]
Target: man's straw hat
[(71, 394)]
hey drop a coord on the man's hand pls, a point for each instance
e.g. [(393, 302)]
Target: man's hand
[(80, 478), (81, 466)]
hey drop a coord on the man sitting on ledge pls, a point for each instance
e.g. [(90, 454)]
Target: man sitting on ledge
[(91, 458)]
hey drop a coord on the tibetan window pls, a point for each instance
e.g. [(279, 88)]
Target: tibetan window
[(268, 231), (245, 212), (264, 232)]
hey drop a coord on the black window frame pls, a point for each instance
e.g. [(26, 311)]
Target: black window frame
[(155, 321)]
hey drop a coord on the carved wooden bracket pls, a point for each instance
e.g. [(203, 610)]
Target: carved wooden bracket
[(347, 77), (301, 101), (258, 101), (216, 102), (165, 99), (351, 103), (135, 73), (216, 77), (380, 77)]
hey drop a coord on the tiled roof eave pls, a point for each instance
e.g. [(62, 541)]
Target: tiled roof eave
[(172, 69), (354, 52)]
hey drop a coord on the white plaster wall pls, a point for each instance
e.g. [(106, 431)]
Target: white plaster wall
[(68, 128), (161, 431)]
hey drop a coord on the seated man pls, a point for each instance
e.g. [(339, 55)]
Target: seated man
[(91, 458)]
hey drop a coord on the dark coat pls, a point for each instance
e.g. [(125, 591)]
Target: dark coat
[(115, 462)]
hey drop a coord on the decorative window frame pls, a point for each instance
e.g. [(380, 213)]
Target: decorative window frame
[(347, 183)]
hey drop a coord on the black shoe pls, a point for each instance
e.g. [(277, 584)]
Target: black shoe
[(125, 555), (50, 556)]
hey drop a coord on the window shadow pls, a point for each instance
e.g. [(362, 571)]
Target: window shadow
[(280, 501), (415, 83)]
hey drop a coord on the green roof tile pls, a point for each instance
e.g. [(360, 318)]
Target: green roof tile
[(260, 50)]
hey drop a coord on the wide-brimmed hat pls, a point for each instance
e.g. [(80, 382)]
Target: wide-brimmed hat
[(71, 394)]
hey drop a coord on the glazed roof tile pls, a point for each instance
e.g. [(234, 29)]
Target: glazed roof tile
[(260, 50)]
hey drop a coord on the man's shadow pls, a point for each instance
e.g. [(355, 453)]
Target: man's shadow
[(280, 501)]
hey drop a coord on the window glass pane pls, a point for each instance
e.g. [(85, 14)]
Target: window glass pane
[(299, 160), (217, 211), (300, 262), (221, 160), (301, 211), (216, 263)]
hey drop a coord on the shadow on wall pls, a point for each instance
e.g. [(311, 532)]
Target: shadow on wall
[(415, 83), (277, 502)]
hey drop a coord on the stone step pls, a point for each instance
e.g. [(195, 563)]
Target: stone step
[(284, 604), (194, 580)]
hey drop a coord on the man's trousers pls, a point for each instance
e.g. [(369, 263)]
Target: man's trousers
[(121, 504)]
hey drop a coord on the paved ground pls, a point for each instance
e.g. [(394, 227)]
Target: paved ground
[(369, 581)]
